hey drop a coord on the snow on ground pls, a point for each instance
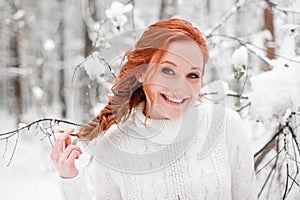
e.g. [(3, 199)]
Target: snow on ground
[(31, 175)]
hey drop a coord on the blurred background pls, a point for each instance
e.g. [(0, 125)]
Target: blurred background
[(58, 59)]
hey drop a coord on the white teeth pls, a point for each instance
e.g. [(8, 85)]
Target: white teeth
[(175, 100)]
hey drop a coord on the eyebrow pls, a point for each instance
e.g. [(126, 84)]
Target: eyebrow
[(170, 62)]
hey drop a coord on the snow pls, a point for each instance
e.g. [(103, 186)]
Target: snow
[(49, 45), (273, 95), (30, 175), (19, 15), (94, 66), (116, 13), (275, 91), (240, 57), (37, 92)]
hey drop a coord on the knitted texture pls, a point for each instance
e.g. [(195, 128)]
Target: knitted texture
[(189, 158)]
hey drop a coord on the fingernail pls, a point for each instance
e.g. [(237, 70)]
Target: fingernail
[(74, 142)]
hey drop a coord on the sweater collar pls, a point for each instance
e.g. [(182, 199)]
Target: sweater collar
[(160, 131)]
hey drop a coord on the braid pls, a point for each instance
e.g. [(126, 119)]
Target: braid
[(127, 91)]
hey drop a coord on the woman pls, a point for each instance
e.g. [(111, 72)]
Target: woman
[(155, 139)]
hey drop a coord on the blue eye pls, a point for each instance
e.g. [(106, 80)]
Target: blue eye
[(193, 76), (168, 71)]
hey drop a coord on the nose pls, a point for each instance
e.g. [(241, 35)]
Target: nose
[(179, 85)]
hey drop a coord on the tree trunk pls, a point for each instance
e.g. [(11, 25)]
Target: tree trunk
[(4, 35), (61, 44), (88, 43), (168, 9), (84, 83), (14, 63), (269, 25)]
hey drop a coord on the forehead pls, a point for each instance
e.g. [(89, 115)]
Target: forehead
[(184, 52)]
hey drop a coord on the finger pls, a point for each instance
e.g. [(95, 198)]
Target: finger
[(60, 142), (68, 140), (70, 162), (66, 154)]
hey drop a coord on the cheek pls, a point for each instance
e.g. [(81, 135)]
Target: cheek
[(152, 91), (196, 88)]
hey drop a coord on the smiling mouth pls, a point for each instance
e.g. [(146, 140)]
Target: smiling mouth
[(173, 99)]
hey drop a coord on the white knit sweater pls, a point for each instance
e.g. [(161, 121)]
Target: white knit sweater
[(203, 155)]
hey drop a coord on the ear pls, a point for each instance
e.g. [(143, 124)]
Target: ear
[(140, 77)]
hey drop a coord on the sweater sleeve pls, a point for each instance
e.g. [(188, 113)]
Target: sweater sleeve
[(241, 160), (93, 182), (79, 187)]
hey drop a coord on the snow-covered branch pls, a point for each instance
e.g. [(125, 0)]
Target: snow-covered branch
[(48, 132), (283, 9), (254, 49), (51, 121), (286, 138), (221, 22)]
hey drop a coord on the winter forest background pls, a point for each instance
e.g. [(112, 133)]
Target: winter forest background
[(58, 59)]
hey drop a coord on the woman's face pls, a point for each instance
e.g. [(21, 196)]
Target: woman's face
[(176, 82)]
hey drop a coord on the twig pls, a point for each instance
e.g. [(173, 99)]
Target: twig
[(282, 9), (6, 143), (5, 136), (244, 84), (269, 142), (294, 137), (238, 96), (258, 171), (287, 168), (251, 47), (243, 107), (99, 31), (56, 121), (14, 149), (220, 23), (270, 173), (295, 143), (274, 166), (108, 65)]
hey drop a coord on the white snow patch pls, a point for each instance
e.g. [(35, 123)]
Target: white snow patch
[(94, 66), (49, 45)]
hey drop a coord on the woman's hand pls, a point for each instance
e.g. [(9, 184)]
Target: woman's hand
[(64, 154)]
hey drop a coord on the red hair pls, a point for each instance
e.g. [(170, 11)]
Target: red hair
[(128, 92)]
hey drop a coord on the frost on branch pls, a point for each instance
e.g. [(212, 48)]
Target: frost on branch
[(275, 91), (116, 13), (240, 62), (94, 66)]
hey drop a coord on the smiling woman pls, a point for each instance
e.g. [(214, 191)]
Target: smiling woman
[(176, 82), (155, 139)]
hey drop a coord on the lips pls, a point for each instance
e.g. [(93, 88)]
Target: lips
[(173, 99)]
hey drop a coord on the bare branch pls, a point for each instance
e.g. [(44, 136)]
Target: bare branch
[(281, 129), (287, 167), (243, 107), (14, 149), (253, 49), (282, 9), (221, 22), (9, 134)]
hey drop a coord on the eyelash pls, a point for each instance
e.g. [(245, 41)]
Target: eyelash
[(169, 71)]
